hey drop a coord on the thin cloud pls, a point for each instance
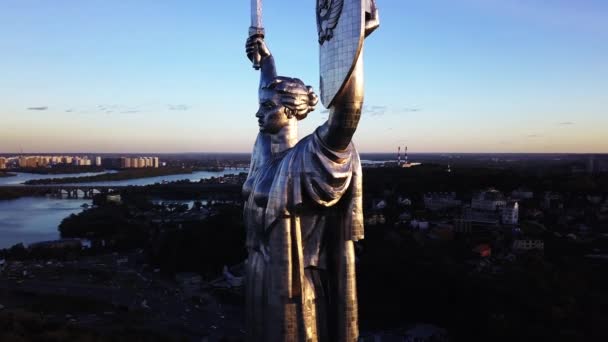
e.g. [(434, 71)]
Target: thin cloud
[(375, 110), (38, 108), (408, 110), (180, 107), (379, 110), (532, 136), (566, 123), (104, 109)]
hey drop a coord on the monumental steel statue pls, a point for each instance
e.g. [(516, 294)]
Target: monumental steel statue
[(303, 209)]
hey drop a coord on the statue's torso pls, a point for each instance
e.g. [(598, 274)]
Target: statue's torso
[(258, 193)]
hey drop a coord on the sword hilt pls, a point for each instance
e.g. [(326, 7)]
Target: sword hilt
[(257, 32)]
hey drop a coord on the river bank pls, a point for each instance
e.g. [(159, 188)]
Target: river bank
[(116, 176), (61, 170), (7, 174)]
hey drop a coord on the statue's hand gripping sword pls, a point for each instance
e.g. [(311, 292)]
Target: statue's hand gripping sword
[(256, 29)]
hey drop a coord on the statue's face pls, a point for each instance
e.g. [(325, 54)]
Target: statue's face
[(271, 114)]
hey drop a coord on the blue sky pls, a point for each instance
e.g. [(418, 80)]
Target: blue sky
[(171, 76)]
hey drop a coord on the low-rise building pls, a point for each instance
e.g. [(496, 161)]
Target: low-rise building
[(489, 200), (420, 225), (523, 245), (441, 201), (522, 193)]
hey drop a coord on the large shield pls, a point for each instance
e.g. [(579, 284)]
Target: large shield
[(341, 26)]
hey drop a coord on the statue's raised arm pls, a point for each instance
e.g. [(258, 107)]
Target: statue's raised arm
[(341, 63), (257, 46)]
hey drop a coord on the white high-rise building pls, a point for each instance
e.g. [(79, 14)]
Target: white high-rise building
[(510, 213)]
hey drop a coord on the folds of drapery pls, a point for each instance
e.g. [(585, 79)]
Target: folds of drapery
[(310, 170), (281, 296)]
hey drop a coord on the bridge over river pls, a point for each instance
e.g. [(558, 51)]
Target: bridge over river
[(64, 191)]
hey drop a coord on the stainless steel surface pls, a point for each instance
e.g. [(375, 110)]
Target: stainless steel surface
[(337, 56), (303, 209), (256, 13), (256, 29), (328, 14)]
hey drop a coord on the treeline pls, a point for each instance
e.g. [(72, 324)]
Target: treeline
[(62, 169), (117, 176), (203, 247), (8, 193), (186, 190), (113, 224), (435, 178)]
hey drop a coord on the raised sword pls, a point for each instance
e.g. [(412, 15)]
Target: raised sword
[(256, 29)]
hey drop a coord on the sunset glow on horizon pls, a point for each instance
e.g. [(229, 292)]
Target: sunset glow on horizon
[(164, 77)]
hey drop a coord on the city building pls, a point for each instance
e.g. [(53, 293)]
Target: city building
[(510, 213), (22, 161), (524, 245), (97, 161), (139, 162), (2, 163), (52, 161), (441, 201), (489, 200), (481, 217), (522, 194)]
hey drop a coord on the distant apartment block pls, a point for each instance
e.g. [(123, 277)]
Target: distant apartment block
[(441, 201), (139, 162), (50, 161), (2, 163)]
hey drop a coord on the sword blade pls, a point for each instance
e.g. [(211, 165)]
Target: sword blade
[(256, 13)]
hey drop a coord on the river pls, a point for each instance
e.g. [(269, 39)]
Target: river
[(193, 177), (33, 219)]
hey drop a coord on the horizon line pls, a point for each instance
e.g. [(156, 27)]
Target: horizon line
[(391, 152)]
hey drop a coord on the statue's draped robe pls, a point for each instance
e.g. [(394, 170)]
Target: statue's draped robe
[(303, 212)]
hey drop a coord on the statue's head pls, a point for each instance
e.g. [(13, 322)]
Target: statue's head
[(283, 100)]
